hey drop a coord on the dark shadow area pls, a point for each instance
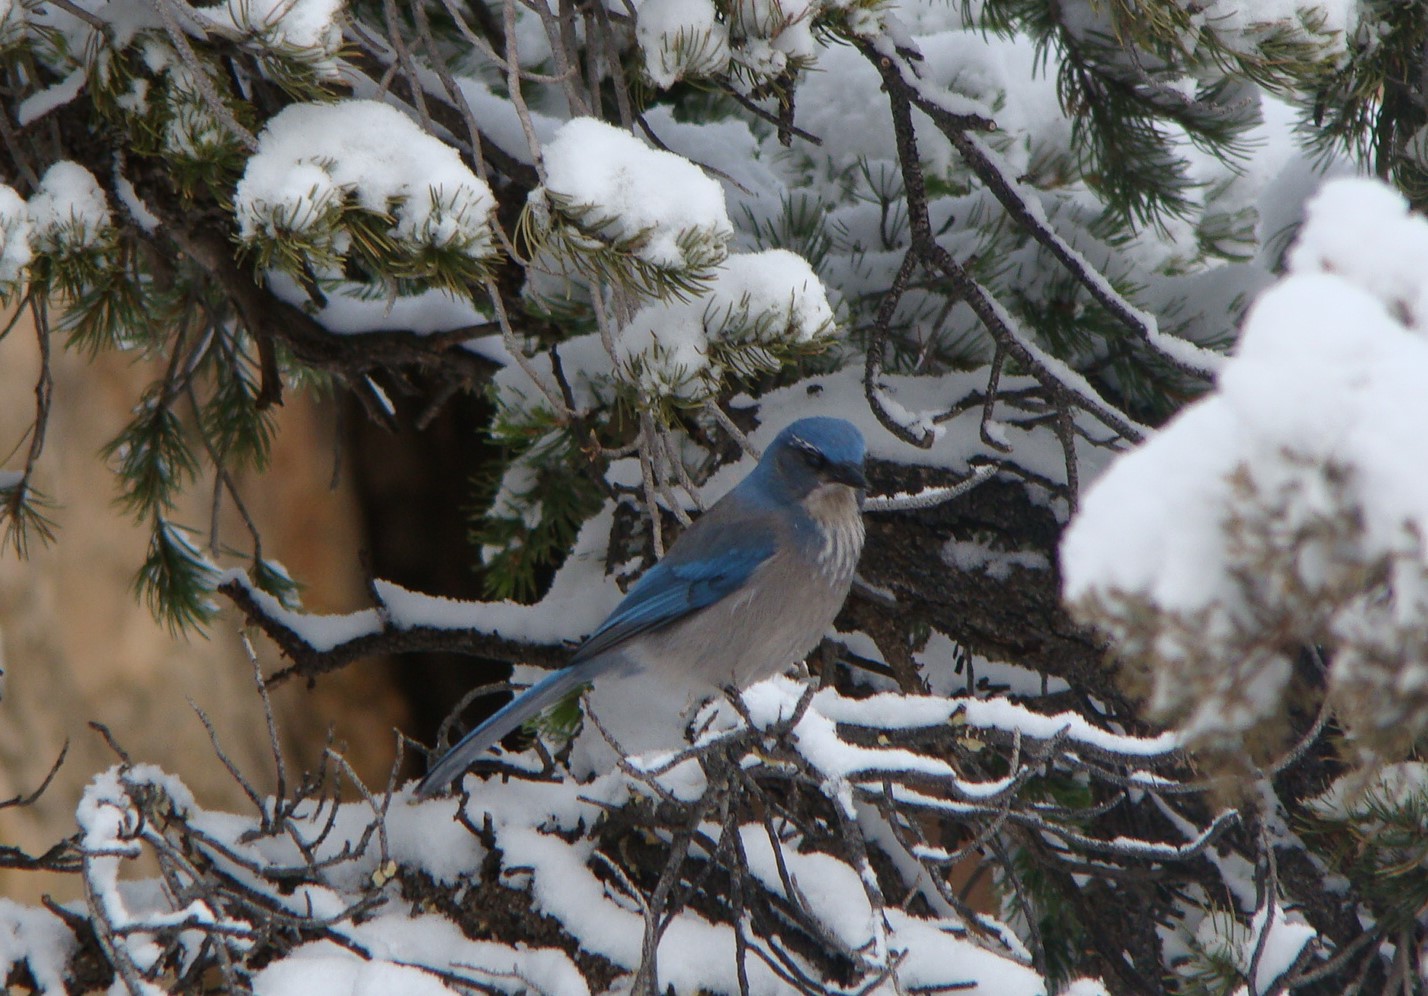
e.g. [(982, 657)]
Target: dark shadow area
[(415, 489)]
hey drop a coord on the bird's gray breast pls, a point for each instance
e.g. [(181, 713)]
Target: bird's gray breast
[(778, 616)]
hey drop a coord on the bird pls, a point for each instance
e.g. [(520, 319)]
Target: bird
[(746, 591)]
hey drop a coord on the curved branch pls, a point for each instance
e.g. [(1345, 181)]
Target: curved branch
[(900, 79), (1184, 355), (1068, 387)]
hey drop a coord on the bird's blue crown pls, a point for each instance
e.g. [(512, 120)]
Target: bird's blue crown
[(837, 439)]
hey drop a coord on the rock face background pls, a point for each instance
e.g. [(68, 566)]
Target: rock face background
[(77, 647)]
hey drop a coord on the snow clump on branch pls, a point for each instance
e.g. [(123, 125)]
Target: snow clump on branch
[(14, 240), (326, 175), (681, 39), (772, 36), (763, 39), (68, 214), (758, 305), (310, 26), (643, 218), (1289, 508)]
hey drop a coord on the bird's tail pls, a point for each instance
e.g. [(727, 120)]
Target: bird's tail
[(540, 696)]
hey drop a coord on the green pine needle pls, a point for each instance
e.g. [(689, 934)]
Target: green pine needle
[(273, 578), (154, 460), (240, 431), (176, 581), (24, 514)]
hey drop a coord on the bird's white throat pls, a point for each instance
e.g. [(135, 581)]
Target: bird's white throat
[(835, 508)]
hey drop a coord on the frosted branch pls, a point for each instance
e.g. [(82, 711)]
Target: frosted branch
[(928, 497)]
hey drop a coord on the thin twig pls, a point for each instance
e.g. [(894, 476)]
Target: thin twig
[(199, 74), (929, 497)]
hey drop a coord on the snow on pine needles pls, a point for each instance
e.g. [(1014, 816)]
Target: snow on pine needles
[(359, 178), (1289, 507)]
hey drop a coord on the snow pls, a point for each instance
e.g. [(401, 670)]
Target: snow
[(580, 597), (828, 888), (1392, 786), (972, 557), (351, 308), (773, 35), (919, 425), (841, 394), (406, 953), (1226, 939), (134, 204), (936, 959), (1366, 234), (14, 238), (1323, 372), (322, 966), (38, 939), (575, 604), (751, 300), (401, 951), (112, 829), (664, 352), (428, 837), (1085, 987), (694, 954), (192, 130), (319, 631), (405, 949), (104, 815), (1243, 26), (313, 158), (1285, 935), (748, 174), (499, 120), (123, 20), (582, 594), (12, 21), (306, 30), (680, 39), (1312, 432), (889, 711), (37, 105), (1173, 566), (1185, 353), (284, 25), (768, 296), (652, 199), (536, 823), (841, 103), (816, 737), (68, 213), (937, 662)]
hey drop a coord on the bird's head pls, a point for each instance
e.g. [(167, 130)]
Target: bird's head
[(815, 454)]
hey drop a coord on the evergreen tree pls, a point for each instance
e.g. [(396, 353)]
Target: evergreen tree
[(1015, 241)]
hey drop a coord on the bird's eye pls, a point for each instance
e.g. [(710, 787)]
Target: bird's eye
[(815, 459)]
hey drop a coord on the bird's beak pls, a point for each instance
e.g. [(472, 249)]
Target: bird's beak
[(850, 474)]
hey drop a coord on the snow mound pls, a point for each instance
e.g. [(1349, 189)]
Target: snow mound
[(313, 159), (1290, 506)]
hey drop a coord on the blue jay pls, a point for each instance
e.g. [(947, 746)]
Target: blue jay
[(742, 594)]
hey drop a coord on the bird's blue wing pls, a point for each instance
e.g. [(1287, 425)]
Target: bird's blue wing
[(677, 586), (712, 560)]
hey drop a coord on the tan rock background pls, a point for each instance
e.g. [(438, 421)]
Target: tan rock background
[(77, 646)]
